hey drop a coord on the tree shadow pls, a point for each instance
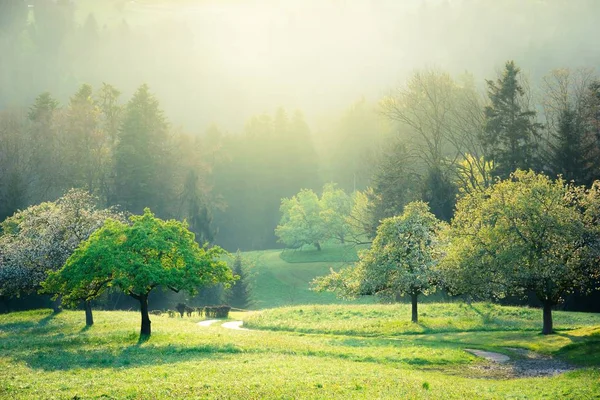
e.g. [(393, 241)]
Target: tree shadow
[(64, 359)]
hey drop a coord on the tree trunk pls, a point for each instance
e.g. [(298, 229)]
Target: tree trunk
[(145, 331), (318, 246), (547, 329), (415, 314), (56, 305), (89, 318)]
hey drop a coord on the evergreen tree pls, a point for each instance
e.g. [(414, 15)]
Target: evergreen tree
[(510, 131), (238, 295), (572, 150), (47, 176), (142, 156), (195, 210)]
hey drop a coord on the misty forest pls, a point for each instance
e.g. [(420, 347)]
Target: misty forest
[(299, 199)]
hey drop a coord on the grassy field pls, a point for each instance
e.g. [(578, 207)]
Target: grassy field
[(53, 356), (283, 278)]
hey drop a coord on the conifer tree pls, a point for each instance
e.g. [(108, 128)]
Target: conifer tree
[(510, 131), (239, 294)]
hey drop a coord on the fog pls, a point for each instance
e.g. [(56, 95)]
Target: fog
[(224, 61)]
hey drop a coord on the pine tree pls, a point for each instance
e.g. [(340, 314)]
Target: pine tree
[(143, 160), (239, 294), (510, 131), (572, 150), (195, 210)]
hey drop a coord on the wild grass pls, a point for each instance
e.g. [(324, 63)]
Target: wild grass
[(394, 319), (53, 356)]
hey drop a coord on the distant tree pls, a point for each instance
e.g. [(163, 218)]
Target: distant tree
[(401, 261), (336, 206), (39, 240), (143, 160), (239, 295), (138, 257), (510, 135), (301, 222), (87, 147), (442, 117), (15, 164), (195, 209), (474, 175), (395, 182), (47, 173), (572, 147), (525, 233)]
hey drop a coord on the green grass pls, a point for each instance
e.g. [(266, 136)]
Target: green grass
[(53, 356), (283, 278), (378, 320)]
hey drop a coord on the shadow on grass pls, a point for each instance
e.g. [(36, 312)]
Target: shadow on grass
[(60, 359), (29, 325)]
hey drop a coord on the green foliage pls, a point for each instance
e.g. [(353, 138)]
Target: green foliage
[(510, 133), (239, 294), (401, 260), (525, 233), (310, 220), (142, 156), (137, 258), (301, 222)]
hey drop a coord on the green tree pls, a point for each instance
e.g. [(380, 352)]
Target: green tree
[(301, 222), (47, 174), (571, 144), (510, 133), (336, 206), (401, 261), (525, 233), (138, 257), (143, 162), (239, 295)]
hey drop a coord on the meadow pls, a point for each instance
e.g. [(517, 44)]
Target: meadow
[(45, 355)]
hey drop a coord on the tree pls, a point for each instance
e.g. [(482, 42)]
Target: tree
[(336, 206), (138, 257), (143, 161), (41, 238), (401, 261), (510, 133), (443, 118), (239, 294), (301, 222), (525, 233), (572, 146)]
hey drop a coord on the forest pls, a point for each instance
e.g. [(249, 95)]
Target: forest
[(431, 137)]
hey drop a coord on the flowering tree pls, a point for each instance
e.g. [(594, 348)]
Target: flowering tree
[(41, 238), (401, 261)]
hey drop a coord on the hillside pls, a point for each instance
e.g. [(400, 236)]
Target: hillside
[(282, 278)]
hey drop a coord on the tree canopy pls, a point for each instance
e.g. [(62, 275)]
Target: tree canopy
[(138, 257), (401, 261), (525, 234)]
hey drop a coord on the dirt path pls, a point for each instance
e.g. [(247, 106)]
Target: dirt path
[(524, 364), (235, 325), (207, 322)]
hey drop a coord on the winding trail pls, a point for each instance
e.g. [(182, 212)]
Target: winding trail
[(235, 325), (207, 322), (525, 364), (490, 356)]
